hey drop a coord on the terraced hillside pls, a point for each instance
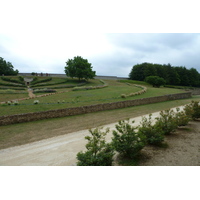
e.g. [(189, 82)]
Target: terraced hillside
[(56, 93)]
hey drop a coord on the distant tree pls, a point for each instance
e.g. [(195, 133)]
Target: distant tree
[(194, 77), (150, 69), (184, 75), (6, 68), (171, 77), (137, 73), (79, 68), (156, 81)]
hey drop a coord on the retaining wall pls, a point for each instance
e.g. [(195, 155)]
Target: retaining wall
[(195, 92), (27, 117)]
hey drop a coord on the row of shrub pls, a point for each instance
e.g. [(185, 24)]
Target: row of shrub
[(44, 90), (91, 87), (12, 85), (128, 140), (36, 81), (19, 81), (179, 87), (14, 88), (144, 89), (12, 91), (64, 86)]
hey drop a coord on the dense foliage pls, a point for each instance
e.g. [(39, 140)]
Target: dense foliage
[(156, 81), (126, 140), (99, 153), (178, 75), (6, 68), (193, 110), (154, 134), (79, 68)]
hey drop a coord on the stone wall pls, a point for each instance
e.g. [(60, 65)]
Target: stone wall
[(27, 117), (195, 92), (64, 76)]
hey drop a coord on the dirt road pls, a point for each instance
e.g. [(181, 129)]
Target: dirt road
[(56, 151)]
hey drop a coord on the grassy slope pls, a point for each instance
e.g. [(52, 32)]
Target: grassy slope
[(71, 98)]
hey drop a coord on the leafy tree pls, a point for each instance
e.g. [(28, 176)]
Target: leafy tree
[(99, 153), (183, 75), (79, 68), (156, 81), (172, 75), (194, 77), (150, 69), (6, 68), (137, 73)]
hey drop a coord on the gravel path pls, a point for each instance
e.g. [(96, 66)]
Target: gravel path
[(61, 151)]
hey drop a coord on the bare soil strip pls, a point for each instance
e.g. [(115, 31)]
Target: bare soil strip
[(30, 93)]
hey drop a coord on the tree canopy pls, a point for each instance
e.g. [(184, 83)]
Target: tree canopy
[(178, 75), (79, 68), (6, 68)]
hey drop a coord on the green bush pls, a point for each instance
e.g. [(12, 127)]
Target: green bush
[(182, 119), (154, 134), (44, 90), (156, 81), (193, 110), (126, 141), (167, 121), (99, 153)]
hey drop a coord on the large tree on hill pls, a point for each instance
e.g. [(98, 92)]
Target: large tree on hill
[(79, 68), (6, 68)]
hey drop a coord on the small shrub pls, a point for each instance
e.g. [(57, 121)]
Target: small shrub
[(123, 96), (15, 102), (167, 121), (99, 153), (193, 110), (36, 102), (44, 90), (182, 119), (154, 134), (126, 141)]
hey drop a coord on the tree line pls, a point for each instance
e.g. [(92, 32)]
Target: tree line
[(173, 75), (6, 68)]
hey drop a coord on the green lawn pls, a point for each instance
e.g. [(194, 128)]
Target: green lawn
[(70, 98)]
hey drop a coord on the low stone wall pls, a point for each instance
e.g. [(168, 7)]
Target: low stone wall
[(195, 92), (27, 117)]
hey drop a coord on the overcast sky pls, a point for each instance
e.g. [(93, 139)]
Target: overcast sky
[(40, 36)]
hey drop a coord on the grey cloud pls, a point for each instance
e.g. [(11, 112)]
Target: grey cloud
[(124, 51), (174, 48)]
